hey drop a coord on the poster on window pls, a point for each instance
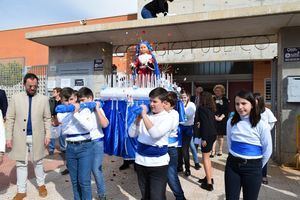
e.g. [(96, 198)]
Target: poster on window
[(98, 64)]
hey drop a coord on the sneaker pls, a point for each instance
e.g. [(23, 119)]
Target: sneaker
[(204, 180), (43, 191), (102, 198), (126, 164), (19, 196), (207, 186), (197, 166), (65, 172), (219, 153), (187, 173), (212, 154)]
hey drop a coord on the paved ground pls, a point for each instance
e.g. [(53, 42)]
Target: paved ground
[(122, 185)]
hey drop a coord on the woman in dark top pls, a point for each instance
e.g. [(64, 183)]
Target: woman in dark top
[(205, 116), (154, 7), (221, 117)]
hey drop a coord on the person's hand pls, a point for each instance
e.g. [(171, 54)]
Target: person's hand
[(145, 109), (55, 122), (198, 124), (9, 144), (98, 106), (217, 118), (47, 141), (203, 143), (77, 107)]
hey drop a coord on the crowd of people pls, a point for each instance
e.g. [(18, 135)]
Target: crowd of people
[(33, 121)]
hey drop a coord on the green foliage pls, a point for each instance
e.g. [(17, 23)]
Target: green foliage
[(10, 73)]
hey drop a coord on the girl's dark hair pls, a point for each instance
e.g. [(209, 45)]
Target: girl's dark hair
[(207, 101), (172, 98), (254, 114), (261, 106), (185, 92)]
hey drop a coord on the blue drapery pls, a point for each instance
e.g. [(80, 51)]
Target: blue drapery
[(121, 114)]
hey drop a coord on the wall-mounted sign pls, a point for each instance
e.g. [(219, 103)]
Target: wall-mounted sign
[(291, 54), (79, 82), (98, 64)]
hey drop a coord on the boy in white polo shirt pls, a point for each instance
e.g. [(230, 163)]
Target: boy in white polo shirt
[(100, 121), (77, 126), (152, 157)]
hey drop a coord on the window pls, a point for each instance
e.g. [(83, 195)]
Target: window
[(268, 91)]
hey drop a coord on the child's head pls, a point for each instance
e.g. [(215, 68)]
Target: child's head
[(207, 101), (170, 101), (260, 102), (185, 96), (157, 98), (67, 96), (85, 94), (56, 91), (245, 105)]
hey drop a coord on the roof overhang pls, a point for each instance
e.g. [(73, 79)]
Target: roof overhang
[(214, 25)]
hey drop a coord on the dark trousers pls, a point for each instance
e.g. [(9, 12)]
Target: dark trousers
[(265, 170), (183, 152), (152, 181), (245, 174)]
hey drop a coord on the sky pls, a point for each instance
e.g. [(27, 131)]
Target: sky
[(26, 13)]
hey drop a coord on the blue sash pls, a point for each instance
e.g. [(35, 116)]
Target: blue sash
[(246, 149), (172, 140), (151, 151)]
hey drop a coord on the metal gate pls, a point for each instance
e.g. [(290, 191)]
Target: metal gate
[(12, 72)]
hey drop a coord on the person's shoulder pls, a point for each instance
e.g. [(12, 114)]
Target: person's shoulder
[(174, 113), (192, 104), (18, 95), (262, 124), (44, 97)]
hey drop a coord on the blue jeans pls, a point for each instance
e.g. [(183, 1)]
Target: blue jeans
[(173, 179), (62, 143), (194, 151), (146, 14), (98, 153), (79, 162)]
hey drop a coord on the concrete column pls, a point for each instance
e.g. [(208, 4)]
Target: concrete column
[(287, 112), (80, 57)]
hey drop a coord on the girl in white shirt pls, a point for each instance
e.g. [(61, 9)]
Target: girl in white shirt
[(186, 129), (267, 116), (250, 147)]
